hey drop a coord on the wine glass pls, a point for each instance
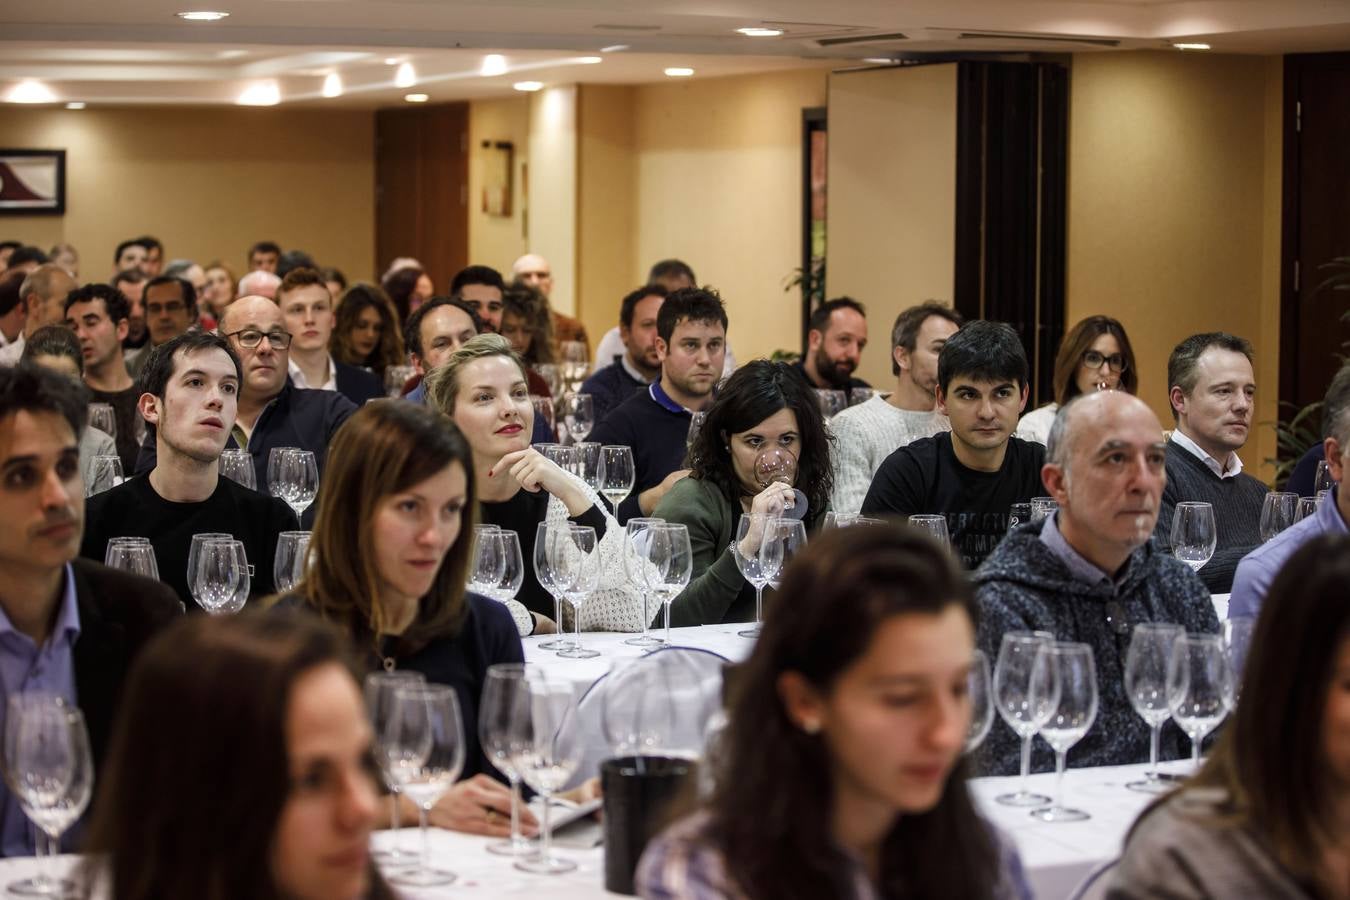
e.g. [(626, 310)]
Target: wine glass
[(507, 584), (223, 580), (132, 554), (1017, 514), (379, 690), (934, 526), (832, 402), (783, 539), (576, 567), (564, 457), (575, 361), (288, 566), (1307, 506), (505, 698), (545, 748), (487, 562), (1064, 681), (237, 465), (1193, 533), (1146, 665), (298, 474), (195, 555), (105, 473), (543, 573), (859, 395), (1198, 687), (103, 417), (1043, 508), (745, 548), (1278, 511), (980, 691), (672, 559), (543, 410), (696, 421), (636, 540), (1013, 700), (774, 465), (395, 377), (580, 416), (552, 376), (424, 742), (616, 474), (1237, 640), (590, 466), (277, 479), (1323, 480)]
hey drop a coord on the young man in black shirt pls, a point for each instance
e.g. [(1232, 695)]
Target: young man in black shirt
[(975, 472), (189, 396)]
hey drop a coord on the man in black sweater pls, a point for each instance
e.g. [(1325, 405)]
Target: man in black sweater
[(691, 339), (1211, 389), (189, 396), (639, 365), (975, 472)]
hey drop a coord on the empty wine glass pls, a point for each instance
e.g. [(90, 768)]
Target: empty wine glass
[(105, 473), (543, 573), (979, 689), (237, 465), (103, 417), (934, 526), (1279, 510), (1013, 700), (1043, 508), (132, 554), (784, 538), (745, 549), (1193, 533), (832, 403), (672, 560), (379, 690), (487, 560), (590, 466), (424, 742), (195, 555), (859, 395), (1065, 683), (616, 475), (223, 581), (1017, 514), (564, 457), (576, 568), (696, 421), (1198, 689), (512, 575), (774, 465), (505, 699), (288, 566), (1237, 640), (1323, 480), (636, 540), (546, 748), (543, 410), (395, 377), (580, 416), (293, 475), (1146, 665), (1307, 506), (277, 471), (575, 362)]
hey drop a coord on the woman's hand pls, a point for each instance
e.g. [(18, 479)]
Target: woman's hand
[(767, 504), (481, 805), (535, 472)]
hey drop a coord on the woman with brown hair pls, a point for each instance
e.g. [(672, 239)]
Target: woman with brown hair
[(408, 286), (1094, 356), (366, 331), (528, 327), (241, 767), (840, 772), (1269, 814)]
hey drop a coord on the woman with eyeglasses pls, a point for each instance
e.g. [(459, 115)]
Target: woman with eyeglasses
[(1094, 356)]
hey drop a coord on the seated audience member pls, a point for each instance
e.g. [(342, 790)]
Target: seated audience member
[(170, 310), (7, 249), (639, 364), (27, 258), (131, 284), (129, 255), (1089, 573), (292, 260), (263, 257), (1257, 570), (65, 256), (1264, 818), (189, 398), (1212, 391), (97, 314), (532, 270), (482, 388), (871, 431), (188, 270), (72, 626), (835, 339), (55, 347), (481, 287), (220, 289), (335, 281), (763, 406), (390, 557), (975, 472), (42, 295), (269, 707), (258, 283), (528, 329), (439, 327), (407, 287), (691, 332), (153, 266), (365, 330), (1094, 356), (307, 310), (846, 731), (11, 306)]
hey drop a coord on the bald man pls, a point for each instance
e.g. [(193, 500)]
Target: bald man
[(533, 270), (1089, 573), (42, 294)]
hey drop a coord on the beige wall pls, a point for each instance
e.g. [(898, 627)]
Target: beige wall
[(606, 204), (497, 241), (552, 188), (892, 196), (1174, 205), (207, 182)]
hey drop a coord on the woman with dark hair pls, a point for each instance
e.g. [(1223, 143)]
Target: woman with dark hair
[(220, 289), (365, 330), (840, 772), (240, 766), (335, 281), (1267, 815), (408, 286), (762, 406), (1094, 356), (528, 327)]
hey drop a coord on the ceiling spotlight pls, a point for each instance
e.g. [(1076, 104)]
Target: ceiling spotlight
[(529, 86), (392, 60), (590, 60), (879, 60), (75, 104), (760, 32), (332, 85), (416, 98), (265, 93), (493, 64), (679, 72), (1185, 46), (405, 76), (203, 15), (613, 48), (30, 92)]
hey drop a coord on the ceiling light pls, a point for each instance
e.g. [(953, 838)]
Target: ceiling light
[(392, 60), (416, 98), (528, 85), (75, 104), (590, 60), (760, 32), (879, 60), (405, 76), (1185, 46), (204, 15), (493, 64), (679, 72), (30, 92), (332, 85), (613, 48), (264, 93)]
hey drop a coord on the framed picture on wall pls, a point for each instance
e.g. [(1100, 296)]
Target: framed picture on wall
[(32, 182)]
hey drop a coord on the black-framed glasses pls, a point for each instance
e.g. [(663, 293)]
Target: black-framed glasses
[(249, 338), (1093, 360)]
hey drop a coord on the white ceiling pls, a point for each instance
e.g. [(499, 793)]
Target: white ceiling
[(138, 51)]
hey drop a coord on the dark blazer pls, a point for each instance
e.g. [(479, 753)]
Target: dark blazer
[(119, 613), (356, 383)]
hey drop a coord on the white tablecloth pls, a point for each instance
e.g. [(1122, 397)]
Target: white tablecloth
[(720, 639)]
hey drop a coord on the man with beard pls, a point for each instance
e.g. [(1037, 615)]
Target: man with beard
[(834, 344), (638, 365)]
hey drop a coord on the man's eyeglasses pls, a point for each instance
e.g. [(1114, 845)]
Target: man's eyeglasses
[(1093, 360), (252, 337)]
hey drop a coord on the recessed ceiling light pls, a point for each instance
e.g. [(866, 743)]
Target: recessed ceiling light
[(416, 98), (1186, 46), (75, 104), (30, 92), (392, 60), (528, 85), (405, 76), (590, 60), (332, 85), (203, 15), (879, 60), (265, 93), (679, 72), (493, 64), (613, 48), (760, 32)]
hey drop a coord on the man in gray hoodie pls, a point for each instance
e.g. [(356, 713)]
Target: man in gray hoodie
[(1089, 574)]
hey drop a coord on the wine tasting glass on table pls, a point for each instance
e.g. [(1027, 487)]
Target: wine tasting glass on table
[(1323, 481), (195, 557), (237, 465), (395, 377), (672, 564), (579, 417), (288, 566), (223, 582), (1013, 699), (424, 741), (576, 570), (545, 748), (933, 525), (574, 361), (505, 699), (105, 473), (832, 402), (635, 566), (1147, 662), (543, 410), (380, 688), (564, 457), (589, 466), (784, 538), (1198, 687), (1193, 533), (1307, 506), (102, 417), (543, 573), (486, 563), (979, 688), (745, 549), (696, 421), (616, 474), (1064, 682), (132, 554), (1017, 514), (1237, 640), (293, 475), (1279, 510), (507, 585), (1043, 508)]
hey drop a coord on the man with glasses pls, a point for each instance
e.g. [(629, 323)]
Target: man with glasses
[(1089, 573), (170, 310)]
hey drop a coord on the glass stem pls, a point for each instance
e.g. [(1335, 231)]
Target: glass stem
[(1026, 762), (557, 613), (393, 824), (759, 603), (1195, 751), (1154, 734), (646, 617), (667, 606), (1061, 760), (515, 809), (576, 623), (426, 839), (45, 880), (546, 835)]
